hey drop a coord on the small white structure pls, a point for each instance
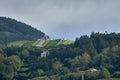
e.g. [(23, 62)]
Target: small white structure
[(93, 70), (45, 54)]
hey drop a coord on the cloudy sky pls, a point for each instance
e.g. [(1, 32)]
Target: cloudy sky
[(65, 18)]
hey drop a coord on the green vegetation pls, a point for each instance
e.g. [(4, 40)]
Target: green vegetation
[(20, 59), (51, 43), (111, 79), (5, 34), (12, 30), (35, 43), (65, 42), (67, 60), (58, 42), (17, 43)]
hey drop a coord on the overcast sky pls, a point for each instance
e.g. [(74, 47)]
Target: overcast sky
[(65, 18)]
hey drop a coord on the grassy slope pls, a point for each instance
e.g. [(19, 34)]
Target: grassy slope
[(17, 43), (53, 43), (35, 43), (48, 43), (65, 42)]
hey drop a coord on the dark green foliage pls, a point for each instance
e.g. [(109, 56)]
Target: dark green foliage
[(85, 43), (104, 73), (101, 41), (65, 62), (91, 75), (12, 30), (116, 74)]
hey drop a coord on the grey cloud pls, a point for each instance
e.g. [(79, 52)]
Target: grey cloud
[(65, 18)]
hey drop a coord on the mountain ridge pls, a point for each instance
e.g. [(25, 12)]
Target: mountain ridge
[(13, 30)]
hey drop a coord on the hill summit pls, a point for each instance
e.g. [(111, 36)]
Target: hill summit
[(13, 30)]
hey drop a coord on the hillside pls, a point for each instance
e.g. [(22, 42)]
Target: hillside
[(54, 43), (13, 30), (96, 57)]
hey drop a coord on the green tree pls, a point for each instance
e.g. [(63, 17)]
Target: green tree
[(2, 55), (15, 61), (25, 54), (80, 61), (85, 43), (104, 73), (57, 66), (75, 62)]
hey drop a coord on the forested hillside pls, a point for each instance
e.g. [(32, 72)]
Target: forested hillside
[(13, 30), (96, 57)]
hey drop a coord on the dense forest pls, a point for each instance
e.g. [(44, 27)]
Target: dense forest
[(13, 30), (96, 57)]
